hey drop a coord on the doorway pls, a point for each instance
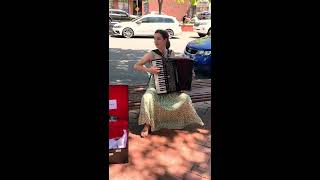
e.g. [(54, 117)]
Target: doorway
[(137, 7)]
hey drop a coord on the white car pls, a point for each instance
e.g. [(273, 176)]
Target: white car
[(156, 12), (147, 25), (202, 27)]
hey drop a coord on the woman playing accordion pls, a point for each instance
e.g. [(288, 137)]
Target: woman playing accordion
[(173, 109)]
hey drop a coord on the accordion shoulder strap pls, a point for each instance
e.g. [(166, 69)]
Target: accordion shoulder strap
[(160, 54)]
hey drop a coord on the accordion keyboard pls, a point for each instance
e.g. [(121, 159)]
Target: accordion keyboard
[(160, 80)]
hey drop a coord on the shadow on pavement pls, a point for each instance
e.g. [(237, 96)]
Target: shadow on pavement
[(167, 154), (121, 70), (121, 63)]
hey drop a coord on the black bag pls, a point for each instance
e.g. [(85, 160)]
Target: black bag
[(118, 156)]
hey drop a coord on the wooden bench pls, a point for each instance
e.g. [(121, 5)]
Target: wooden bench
[(200, 92)]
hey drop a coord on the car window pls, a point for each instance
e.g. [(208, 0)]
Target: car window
[(168, 20), (153, 20), (117, 12), (137, 19), (156, 20), (204, 15), (122, 13), (147, 20)]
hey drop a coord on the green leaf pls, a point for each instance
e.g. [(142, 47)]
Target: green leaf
[(194, 2)]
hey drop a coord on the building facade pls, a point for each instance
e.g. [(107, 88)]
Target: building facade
[(169, 7), (129, 6)]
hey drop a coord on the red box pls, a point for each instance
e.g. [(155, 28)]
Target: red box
[(118, 96)]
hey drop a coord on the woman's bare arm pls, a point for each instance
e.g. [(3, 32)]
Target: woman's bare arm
[(139, 66)]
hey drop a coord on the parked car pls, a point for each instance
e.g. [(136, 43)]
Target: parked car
[(204, 15), (199, 50), (147, 25), (202, 27), (156, 12), (120, 15)]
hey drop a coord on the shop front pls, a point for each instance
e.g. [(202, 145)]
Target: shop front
[(130, 6)]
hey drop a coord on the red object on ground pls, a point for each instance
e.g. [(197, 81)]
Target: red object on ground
[(187, 27), (116, 128), (120, 94)]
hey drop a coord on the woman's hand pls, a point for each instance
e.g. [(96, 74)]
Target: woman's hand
[(153, 70)]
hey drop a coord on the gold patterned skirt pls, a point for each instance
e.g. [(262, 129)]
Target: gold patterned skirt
[(170, 111)]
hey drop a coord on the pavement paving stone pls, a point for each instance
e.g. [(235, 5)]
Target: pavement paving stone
[(168, 154), (192, 176), (201, 170)]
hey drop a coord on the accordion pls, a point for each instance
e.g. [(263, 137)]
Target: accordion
[(175, 74)]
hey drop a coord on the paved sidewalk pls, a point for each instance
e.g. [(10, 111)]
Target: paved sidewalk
[(168, 154)]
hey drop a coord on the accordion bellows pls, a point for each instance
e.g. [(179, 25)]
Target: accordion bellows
[(175, 74)]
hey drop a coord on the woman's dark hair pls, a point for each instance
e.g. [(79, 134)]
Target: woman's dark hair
[(164, 35)]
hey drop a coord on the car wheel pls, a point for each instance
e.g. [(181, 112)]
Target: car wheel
[(201, 35), (170, 32), (127, 32)]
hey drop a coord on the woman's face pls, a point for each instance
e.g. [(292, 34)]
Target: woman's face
[(159, 41)]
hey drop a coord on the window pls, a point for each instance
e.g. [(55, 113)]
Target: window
[(146, 20), (156, 20), (123, 5), (153, 20), (168, 20), (122, 13)]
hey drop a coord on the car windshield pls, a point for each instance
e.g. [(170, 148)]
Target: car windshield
[(204, 15), (134, 19), (137, 19)]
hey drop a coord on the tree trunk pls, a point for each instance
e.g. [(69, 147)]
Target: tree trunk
[(160, 5), (193, 7), (193, 10)]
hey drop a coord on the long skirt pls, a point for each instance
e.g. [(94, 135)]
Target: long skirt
[(170, 111)]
